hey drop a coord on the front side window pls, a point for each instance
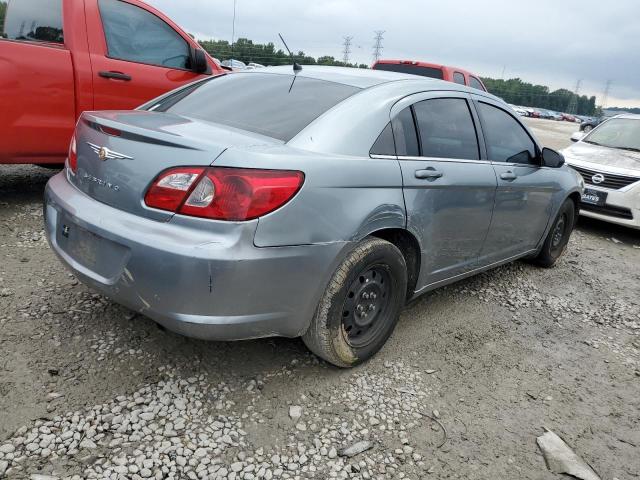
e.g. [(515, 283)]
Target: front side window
[(278, 106), (135, 35), (475, 83), (32, 20), (506, 140), (458, 78), (446, 129)]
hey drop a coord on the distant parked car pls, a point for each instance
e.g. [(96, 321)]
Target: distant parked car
[(608, 158), (568, 117), (59, 58), (234, 64), (590, 124), (431, 70), (311, 203), (520, 110)]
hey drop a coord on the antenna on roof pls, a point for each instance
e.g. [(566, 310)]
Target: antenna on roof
[(296, 66)]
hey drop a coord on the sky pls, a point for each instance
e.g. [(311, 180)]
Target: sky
[(549, 42)]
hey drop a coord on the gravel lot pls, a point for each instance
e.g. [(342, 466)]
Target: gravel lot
[(90, 390)]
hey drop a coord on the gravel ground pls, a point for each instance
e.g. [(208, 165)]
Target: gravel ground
[(471, 376)]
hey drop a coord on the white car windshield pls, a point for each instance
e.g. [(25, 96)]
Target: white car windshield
[(623, 133)]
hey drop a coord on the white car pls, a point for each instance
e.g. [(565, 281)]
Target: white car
[(608, 158)]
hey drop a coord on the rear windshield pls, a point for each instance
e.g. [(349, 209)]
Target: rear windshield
[(278, 106), (413, 69)]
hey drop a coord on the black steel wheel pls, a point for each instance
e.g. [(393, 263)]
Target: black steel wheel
[(558, 236), (361, 304), (366, 307)]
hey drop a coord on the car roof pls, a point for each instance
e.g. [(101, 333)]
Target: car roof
[(367, 78), (632, 116)]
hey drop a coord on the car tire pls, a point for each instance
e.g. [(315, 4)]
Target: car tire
[(361, 304), (587, 128), (558, 237)]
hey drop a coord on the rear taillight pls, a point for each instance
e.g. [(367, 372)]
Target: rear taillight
[(223, 193), (73, 154)]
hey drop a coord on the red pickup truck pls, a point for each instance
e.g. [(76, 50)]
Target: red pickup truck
[(59, 58), (432, 70)]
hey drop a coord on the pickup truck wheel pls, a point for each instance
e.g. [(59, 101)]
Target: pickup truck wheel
[(558, 236), (361, 305)]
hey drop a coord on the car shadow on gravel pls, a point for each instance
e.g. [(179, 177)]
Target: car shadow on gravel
[(598, 227), (23, 183)]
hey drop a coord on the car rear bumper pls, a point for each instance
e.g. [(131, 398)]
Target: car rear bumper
[(199, 278)]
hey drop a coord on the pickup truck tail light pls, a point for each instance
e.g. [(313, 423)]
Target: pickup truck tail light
[(223, 193), (73, 154)]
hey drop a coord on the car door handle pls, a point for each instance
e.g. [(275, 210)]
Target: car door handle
[(508, 176), (428, 174), (115, 75)]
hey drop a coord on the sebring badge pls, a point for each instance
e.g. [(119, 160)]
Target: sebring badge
[(105, 154), (598, 178)]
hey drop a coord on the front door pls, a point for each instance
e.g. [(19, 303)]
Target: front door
[(135, 56), (449, 192), (523, 201)]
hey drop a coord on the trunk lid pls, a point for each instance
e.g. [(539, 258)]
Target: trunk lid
[(120, 153)]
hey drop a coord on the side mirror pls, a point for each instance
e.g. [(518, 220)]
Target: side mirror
[(199, 62), (551, 158), (577, 136)]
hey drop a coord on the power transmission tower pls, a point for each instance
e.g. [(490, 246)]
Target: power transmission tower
[(573, 103), (605, 95), (347, 48), (377, 48)]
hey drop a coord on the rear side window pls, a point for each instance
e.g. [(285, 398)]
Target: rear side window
[(475, 83), (458, 78), (446, 129), (136, 35), (384, 145), (404, 133), (412, 69), (278, 106), (506, 140), (32, 20)]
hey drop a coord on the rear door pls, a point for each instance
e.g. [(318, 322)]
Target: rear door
[(525, 189), (37, 106), (135, 55), (449, 191)]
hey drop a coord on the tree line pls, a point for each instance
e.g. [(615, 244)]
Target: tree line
[(518, 92), (266, 54), (3, 14)]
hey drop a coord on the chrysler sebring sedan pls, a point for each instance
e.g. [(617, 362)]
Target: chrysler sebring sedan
[(608, 158), (311, 203)]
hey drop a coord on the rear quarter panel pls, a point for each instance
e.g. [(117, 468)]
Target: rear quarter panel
[(343, 199)]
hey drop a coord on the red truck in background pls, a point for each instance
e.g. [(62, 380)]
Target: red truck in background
[(59, 58), (432, 70)]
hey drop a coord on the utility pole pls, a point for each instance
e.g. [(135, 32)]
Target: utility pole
[(605, 95), (233, 28), (573, 103), (347, 48), (377, 47)]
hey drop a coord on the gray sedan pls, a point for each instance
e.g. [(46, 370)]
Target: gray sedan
[(311, 203)]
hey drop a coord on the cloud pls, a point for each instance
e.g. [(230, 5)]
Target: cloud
[(548, 41)]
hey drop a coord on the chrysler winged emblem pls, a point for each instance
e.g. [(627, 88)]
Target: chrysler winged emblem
[(105, 154)]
